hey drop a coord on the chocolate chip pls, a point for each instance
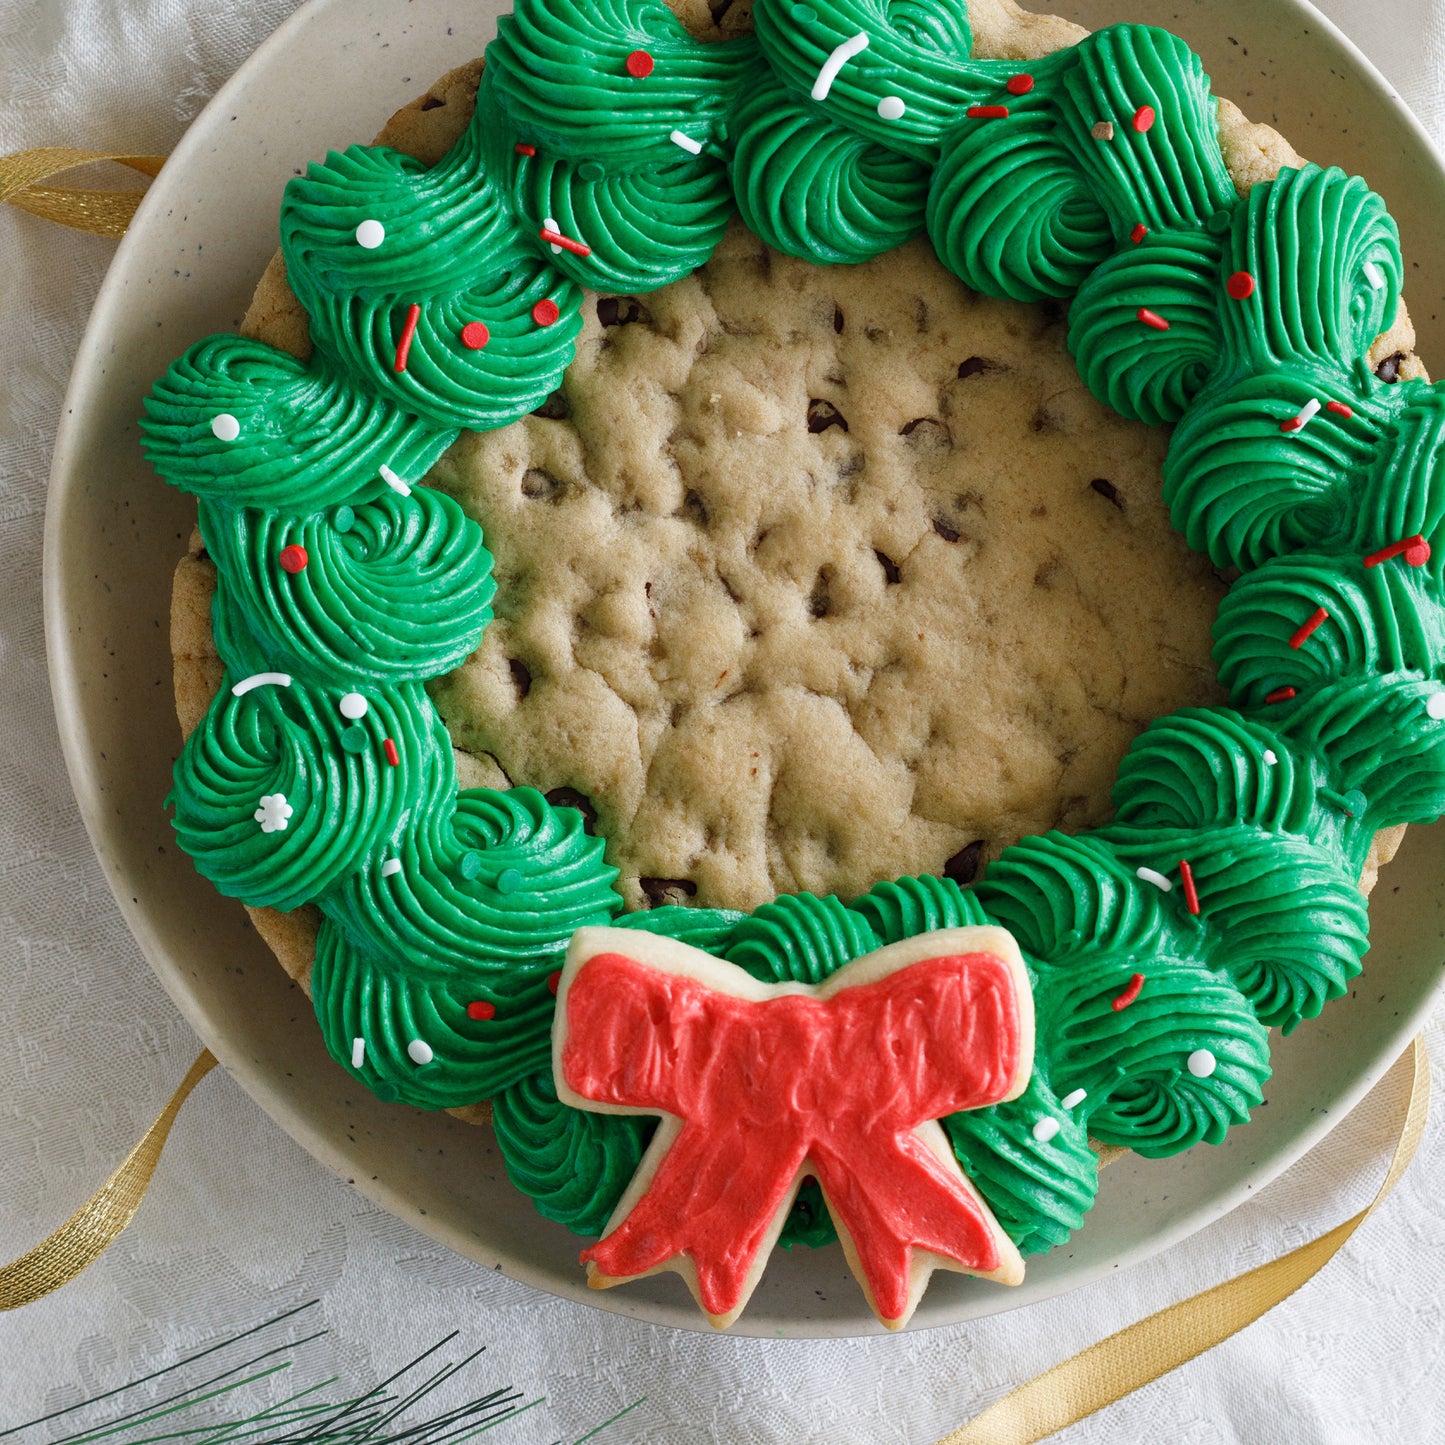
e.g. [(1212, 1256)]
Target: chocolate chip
[(823, 414), (695, 508), (555, 408), (963, 866), (820, 601), (621, 311), (1389, 369), (946, 530), (1052, 312), (521, 678), (541, 486), (662, 891), (973, 366), (890, 568), (1108, 491), (838, 319), (432, 103), (571, 798), (925, 424)]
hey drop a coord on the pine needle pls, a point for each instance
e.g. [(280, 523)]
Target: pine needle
[(386, 1414)]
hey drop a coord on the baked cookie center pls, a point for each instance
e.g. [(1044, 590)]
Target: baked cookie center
[(809, 577)]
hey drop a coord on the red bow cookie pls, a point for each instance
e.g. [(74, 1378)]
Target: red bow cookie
[(761, 1085)]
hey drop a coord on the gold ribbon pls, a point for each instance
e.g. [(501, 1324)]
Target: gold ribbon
[(96, 1225), (106, 213), (1142, 1352), (1050, 1402)]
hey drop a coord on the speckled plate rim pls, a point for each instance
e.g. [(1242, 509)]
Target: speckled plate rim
[(329, 75)]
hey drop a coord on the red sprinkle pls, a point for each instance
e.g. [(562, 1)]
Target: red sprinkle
[(1152, 318), (392, 756), (554, 980), (1191, 894), (1280, 694), (1020, 84), (1130, 993), (1291, 423), (1303, 632), (639, 64), (987, 112), (1416, 551), (403, 347), (1138, 233), (556, 238), (1240, 286), (1339, 408), (481, 1009), (523, 149), (1143, 118), (545, 312), (293, 558), (475, 335)]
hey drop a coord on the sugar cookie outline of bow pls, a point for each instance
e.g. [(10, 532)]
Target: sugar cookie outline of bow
[(644, 1021)]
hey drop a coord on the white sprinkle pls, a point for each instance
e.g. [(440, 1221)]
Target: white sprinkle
[(358, 1053), (391, 867), (1152, 875), (1374, 276), (1306, 414), (835, 62), (225, 427), (1201, 1063), (891, 107), (391, 478), (1435, 706), (1045, 1130), (686, 142), (1270, 757), (273, 813), (370, 234), (550, 222), (260, 679), (419, 1051), (353, 706), (1072, 1101)]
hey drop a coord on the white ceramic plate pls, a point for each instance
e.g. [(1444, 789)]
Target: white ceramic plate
[(332, 75)]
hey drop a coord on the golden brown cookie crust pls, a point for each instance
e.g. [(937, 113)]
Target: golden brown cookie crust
[(818, 581)]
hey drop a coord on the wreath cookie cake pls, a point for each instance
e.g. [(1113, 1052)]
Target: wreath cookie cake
[(806, 578)]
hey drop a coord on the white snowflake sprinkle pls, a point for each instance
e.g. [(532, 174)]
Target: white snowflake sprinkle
[(273, 813)]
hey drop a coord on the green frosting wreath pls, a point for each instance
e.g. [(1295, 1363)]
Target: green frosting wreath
[(1221, 902)]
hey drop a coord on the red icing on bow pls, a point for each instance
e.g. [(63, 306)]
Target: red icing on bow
[(838, 1081)]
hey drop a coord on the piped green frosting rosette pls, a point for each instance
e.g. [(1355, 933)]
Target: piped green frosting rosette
[(1243, 321)]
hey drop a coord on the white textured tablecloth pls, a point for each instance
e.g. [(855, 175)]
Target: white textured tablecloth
[(90, 1046)]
